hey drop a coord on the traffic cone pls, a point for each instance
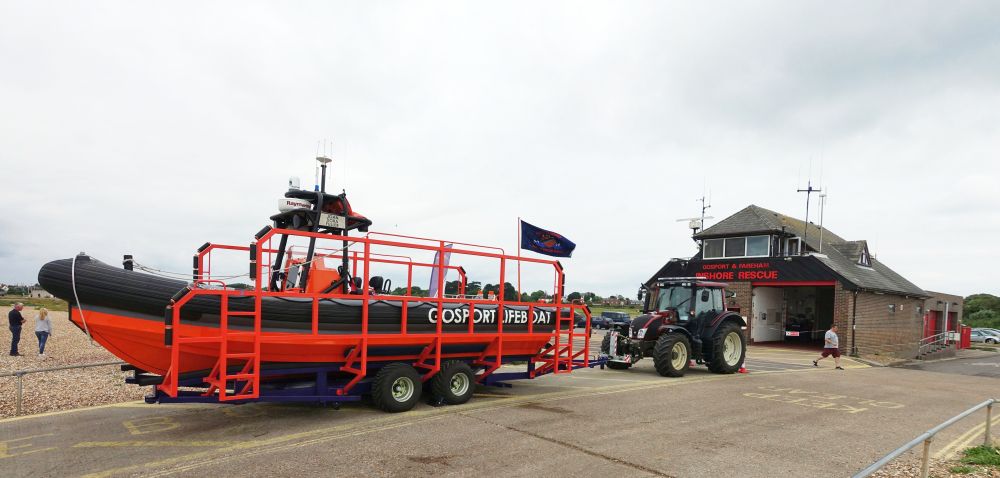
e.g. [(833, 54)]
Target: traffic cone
[(743, 369)]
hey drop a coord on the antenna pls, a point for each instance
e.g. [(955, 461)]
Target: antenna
[(705, 206), (822, 208), (808, 190)]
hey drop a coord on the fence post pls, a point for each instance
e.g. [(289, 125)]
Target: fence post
[(20, 390), (926, 459), (988, 440)]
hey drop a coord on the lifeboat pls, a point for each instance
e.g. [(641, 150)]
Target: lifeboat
[(317, 303)]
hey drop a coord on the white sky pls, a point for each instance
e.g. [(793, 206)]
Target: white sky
[(150, 128)]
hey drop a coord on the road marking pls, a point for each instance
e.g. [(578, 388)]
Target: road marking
[(964, 440), (131, 404), (5, 446), (142, 426), (156, 443)]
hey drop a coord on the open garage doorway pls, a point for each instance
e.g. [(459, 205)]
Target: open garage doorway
[(809, 313), (791, 314)]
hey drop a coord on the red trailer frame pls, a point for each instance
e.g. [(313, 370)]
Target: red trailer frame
[(557, 355)]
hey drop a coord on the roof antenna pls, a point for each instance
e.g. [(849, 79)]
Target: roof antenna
[(822, 207), (696, 223), (808, 190)]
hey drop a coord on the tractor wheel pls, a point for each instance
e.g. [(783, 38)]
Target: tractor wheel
[(396, 387), (454, 384), (729, 349), (672, 355), (606, 344)]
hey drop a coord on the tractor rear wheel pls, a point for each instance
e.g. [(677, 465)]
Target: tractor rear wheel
[(606, 344), (672, 355), (729, 349), (396, 387), (454, 384)]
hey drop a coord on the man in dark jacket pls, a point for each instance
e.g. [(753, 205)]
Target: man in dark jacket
[(16, 320)]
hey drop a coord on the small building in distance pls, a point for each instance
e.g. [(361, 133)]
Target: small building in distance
[(39, 293)]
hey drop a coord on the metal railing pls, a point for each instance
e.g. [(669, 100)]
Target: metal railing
[(928, 437), (932, 342), (21, 373)]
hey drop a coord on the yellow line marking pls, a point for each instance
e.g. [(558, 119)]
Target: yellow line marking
[(156, 443), (964, 440), (132, 404)]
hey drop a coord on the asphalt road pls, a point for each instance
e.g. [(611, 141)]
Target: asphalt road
[(784, 418), (987, 364)]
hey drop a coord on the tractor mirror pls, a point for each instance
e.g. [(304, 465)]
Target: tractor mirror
[(704, 296)]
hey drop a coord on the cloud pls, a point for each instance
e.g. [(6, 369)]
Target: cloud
[(135, 128)]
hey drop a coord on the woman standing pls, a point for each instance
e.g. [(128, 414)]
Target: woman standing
[(43, 329)]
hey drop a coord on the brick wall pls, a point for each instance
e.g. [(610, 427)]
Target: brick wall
[(743, 299), (888, 324)]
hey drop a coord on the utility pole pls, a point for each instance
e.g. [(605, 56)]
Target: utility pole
[(808, 190)]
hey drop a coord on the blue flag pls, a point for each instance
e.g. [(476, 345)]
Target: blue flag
[(545, 242)]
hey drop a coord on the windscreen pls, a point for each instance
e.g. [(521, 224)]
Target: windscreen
[(676, 297)]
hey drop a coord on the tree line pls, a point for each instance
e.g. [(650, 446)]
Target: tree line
[(982, 310)]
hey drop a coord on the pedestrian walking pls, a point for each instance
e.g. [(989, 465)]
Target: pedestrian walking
[(831, 346), (43, 330), (16, 320)]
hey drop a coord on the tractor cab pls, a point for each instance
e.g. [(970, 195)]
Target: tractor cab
[(687, 302)]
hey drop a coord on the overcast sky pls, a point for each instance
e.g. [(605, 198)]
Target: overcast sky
[(150, 128)]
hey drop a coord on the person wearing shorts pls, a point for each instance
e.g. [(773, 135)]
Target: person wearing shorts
[(831, 346)]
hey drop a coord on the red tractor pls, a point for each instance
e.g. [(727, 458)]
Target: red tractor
[(683, 319)]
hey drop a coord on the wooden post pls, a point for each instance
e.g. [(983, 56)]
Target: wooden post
[(926, 459)]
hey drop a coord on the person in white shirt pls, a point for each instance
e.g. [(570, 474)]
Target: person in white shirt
[(831, 346), (43, 329)]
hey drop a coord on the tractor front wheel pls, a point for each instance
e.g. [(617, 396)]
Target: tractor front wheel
[(672, 355)]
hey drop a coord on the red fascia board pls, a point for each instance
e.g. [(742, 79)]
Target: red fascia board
[(815, 283)]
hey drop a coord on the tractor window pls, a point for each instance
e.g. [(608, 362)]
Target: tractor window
[(709, 302), (674, 297)]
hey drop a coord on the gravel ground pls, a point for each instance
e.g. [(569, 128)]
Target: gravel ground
[(937, 468), (65, 389)]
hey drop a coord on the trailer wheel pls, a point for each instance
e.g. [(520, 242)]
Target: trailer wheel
[(454, 384), (729, 349), (671, 355), (396, 388)]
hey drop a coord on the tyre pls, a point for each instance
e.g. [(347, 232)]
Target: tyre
[(729, 349), (454, 384), (396, 388), (606, 344), (672, 355)]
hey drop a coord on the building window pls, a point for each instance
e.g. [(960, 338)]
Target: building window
[(866, 259), (793, 246), (736, 247), (713, 249), (757, 246)]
